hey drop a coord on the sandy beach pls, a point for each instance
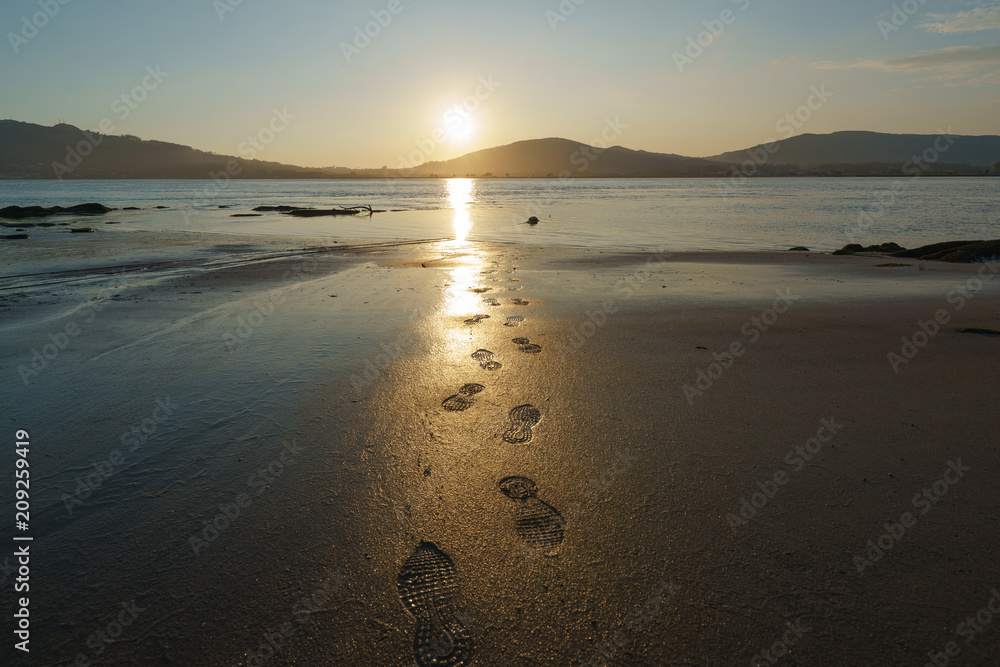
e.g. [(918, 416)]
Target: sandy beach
[(250, 450), (456, 334)]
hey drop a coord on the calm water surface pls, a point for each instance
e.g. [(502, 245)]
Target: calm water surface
[(684, 214)]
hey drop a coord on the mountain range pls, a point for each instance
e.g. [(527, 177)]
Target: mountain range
[(30, 151), (809, 150)]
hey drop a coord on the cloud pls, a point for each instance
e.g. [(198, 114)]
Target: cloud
[(957, 65), (983, 18)]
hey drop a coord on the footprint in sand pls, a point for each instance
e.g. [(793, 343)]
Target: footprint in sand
[(463, 399), (491, 302), (519, 302), (485, 359), (539, 524), (514, 321), (476, 319), (479, 290), (526, 346), (427, 587), (522, 419)]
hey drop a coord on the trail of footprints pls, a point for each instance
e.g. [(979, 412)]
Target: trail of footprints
[(427, 582)]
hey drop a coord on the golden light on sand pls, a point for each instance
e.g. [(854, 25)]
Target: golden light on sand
[(458, 299)]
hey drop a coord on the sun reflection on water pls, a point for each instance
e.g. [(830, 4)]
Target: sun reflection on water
[(461, 194), (466, 259)]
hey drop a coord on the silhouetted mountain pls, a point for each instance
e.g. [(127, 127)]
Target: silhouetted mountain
[(64, 151), (856, 148), (562, 157)]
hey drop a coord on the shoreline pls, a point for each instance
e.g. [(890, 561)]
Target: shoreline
[(203, 240)]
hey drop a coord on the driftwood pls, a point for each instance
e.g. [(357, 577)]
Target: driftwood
[(313, 213), (280, 209)]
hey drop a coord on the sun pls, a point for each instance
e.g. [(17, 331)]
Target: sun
[(459, 125)]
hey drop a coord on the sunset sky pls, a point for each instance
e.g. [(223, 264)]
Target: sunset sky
[(227, 65)]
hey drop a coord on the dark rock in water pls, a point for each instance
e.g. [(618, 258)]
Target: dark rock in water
[(852, 248), (18, 212), (799, 248), (80, 230), (987, 251), (88, 209), (131, 208), (245, 215), (981, 332), (951, 251), (924, 252), (532, 220), (956, 251), (280, 209), (224, 206), (14, 237), (161, 207)]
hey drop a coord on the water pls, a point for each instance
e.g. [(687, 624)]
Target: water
[(682, 214)]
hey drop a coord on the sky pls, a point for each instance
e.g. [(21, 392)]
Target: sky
[(394, 83)]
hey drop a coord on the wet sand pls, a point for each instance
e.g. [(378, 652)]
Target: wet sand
[(309, 492)]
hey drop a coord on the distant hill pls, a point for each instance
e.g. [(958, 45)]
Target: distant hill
[(556, 157), (64, 151), (856, 148)]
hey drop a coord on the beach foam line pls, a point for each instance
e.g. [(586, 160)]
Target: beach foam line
[(207, 263)]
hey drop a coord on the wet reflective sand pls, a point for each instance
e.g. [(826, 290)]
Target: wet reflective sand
[(315, 464)]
